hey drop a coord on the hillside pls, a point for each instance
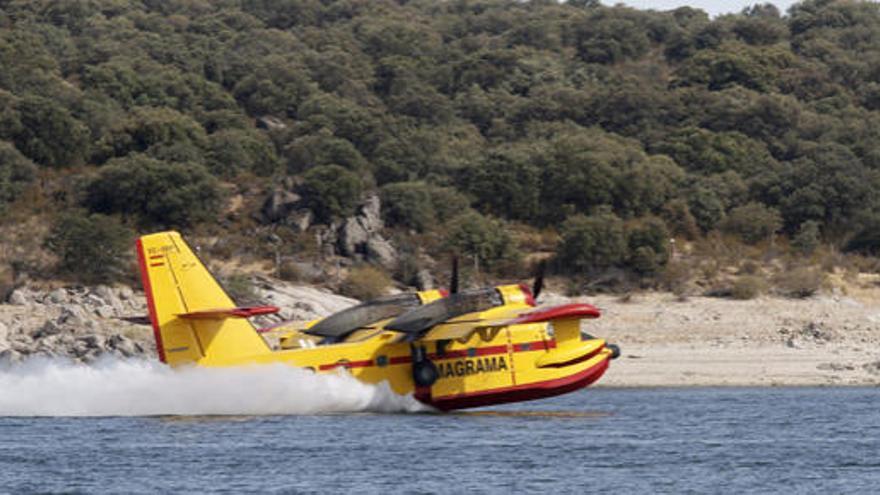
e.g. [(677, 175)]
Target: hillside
[(498, 130)]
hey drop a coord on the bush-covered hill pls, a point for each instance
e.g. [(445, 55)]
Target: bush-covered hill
[(608, 128)]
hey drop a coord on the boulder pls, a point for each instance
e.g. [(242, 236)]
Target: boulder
[(270, 123), (382, 252), (301, 219), (73, 315), (58, 296), (353, 237), (92, 341), (370, 214), (47, 329), (19, 298), (123, 344), (94, 300), (105, 311), (327, 238), (359, 237), (125, 293)]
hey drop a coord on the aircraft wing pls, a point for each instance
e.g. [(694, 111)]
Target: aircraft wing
[(463, 327), (348, 320), (455, 308)]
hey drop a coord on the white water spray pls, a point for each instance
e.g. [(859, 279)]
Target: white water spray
[(115, 387)]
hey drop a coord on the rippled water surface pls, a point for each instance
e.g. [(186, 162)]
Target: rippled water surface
[(804, 440)]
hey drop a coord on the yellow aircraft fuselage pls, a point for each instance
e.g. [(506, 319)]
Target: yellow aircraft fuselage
[(509, 352)]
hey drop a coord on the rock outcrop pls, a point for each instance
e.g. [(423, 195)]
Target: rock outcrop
[(84, 323), (359, 237), (76, 322)]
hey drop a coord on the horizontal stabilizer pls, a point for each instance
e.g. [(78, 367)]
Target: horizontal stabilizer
[(219, 314)]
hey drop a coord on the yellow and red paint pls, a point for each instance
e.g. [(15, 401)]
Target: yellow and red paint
[(507, 353)]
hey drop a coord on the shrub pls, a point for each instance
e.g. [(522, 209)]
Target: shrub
[(50, 135), (365, 282), (678, 216), (331, 191), (807, 239), (649, 245), (235, 150), (591, 243), (484, 239), (91, 248), (676, 277), (418, 205), (16, 171), (154, 192), (288, 271), (748, 287), (800, 283), (752, 222), (240, 288)]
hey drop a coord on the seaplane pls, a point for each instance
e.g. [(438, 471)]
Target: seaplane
[(450, 350)]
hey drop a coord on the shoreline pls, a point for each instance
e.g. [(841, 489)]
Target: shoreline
[(826, 340), (766, 342)]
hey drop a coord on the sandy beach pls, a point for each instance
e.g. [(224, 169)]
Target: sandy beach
[(829, 339), (821, 341)]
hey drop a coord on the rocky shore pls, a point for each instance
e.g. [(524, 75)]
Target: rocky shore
[(832, 339), (85, 323)]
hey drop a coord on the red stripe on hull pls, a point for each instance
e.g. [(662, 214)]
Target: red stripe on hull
[(518, 393), (151, 304), (349, 364)]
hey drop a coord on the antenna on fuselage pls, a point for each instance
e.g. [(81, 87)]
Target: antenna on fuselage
[(538, 284), (453, 279)]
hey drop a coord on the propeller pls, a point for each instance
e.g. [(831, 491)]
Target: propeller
[(538, 284), (453, 280)]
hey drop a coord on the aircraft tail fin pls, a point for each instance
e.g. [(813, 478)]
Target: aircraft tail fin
[(194, 320)]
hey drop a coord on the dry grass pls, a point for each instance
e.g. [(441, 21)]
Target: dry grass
[(365, 282), (748, 287)]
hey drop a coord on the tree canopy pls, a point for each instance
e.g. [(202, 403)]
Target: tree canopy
[(576, 117)]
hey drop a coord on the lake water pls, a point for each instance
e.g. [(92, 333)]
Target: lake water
[(785, 440)]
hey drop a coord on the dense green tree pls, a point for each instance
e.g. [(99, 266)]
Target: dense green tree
[(537, 111), (160, 132), (591, 243), (752, 222), (420, 206), (484, 239), (153, 192), (507, 184), (322, 148), (16, 172), (90, 248), (331, 191), (807, 239), (236, 150), (648, 244), (49, 134)]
